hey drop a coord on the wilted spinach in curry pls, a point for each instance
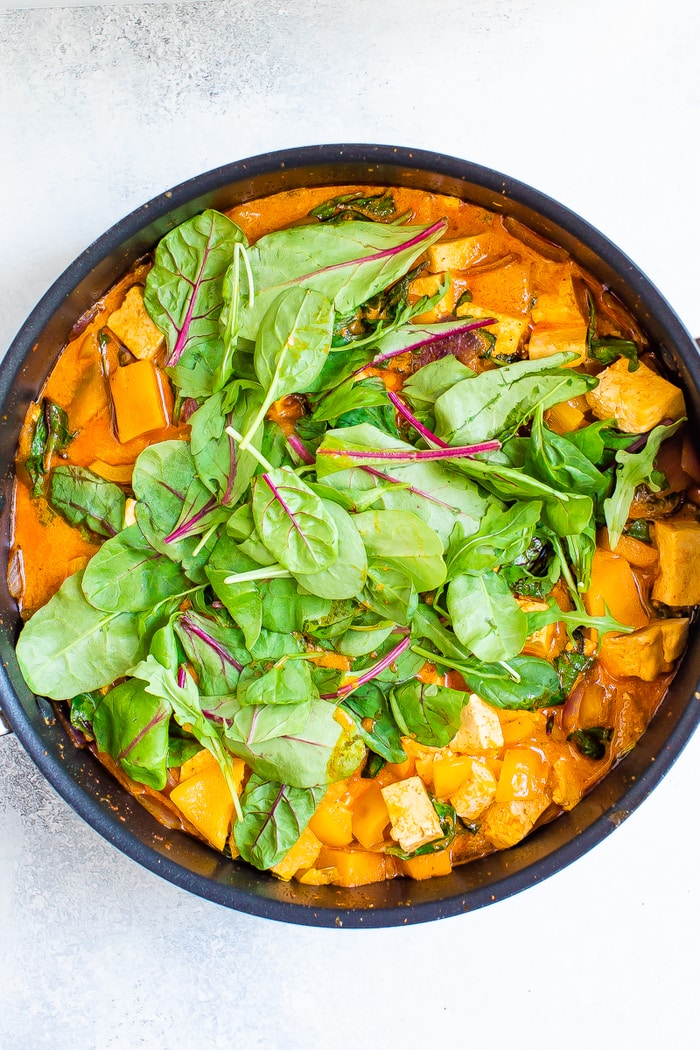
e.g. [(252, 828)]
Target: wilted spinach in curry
[(357, 535)]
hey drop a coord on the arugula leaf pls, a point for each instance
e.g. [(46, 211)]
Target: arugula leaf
[(69, 647), (87, 500), (497, 402), (609, 348), (131, 726), (570, 666), (524, 683), (274, 816), (633, 469), (559, 462), (502, 537)]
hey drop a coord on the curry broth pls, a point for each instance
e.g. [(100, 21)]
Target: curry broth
[(546, 772)]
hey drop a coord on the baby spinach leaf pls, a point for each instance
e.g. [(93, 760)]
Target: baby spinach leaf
[(128, 575), (346, 576), (285, 608), (132, 726), (293, 523), (600, 441), (274, 816), (559, 463), (288, 682), (390, 592), (609, 348), (591, 742), (486, 617), (69, 647), (316, 750), (428, 713), (184, 297), (349, 396), (401, 540), (242, 600), (495, 403), (51, 436), (291, 346), (633, 469), (526, 682), (426, 385), (87, 500), (374, 207), (82, 712), (370, 708), (348, 263), (226, 473)]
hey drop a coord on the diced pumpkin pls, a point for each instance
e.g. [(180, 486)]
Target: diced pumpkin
[(428, 865), (357, 867), (565, 417), (508, 330), (317, 876), (332, 822), (549, 641), (637, 401), (205, 800), (303, 854), (641, 555), (524, 775), (449, 773), (678, 543), (370, 817), (517, 725), (199, 763), (119, 473), (613, 586), (141, 403)]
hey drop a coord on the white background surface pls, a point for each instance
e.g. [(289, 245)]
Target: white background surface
[(101, 108)]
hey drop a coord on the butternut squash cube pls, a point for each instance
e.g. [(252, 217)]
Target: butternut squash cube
[(357, 867), (139, 399), (646, 653), (523, 776), (370, 817), (303, 854), (205, 800), (565, 417), (637, 401), (428, 865), (613, 586), (414, 821), (133, 326), (459, 253), (678, 543)]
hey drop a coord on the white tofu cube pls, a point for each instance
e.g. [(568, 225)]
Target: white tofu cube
[(558, 307), (414, 821), (459, 253), (480, 728), (637, 401), (547, 340), (133, 326), (508, 330), (476, 793)]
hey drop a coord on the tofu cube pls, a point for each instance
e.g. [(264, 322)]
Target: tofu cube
[(646, 653), (429, 286), (637, 401), (508, 330), (506, 823), (476, 793), (559, 306), (414, 821), (548, 339), (459, 253), (134, 328), (480, 728), (678, 543)]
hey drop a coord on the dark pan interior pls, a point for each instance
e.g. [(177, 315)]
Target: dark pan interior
[(84, 783)]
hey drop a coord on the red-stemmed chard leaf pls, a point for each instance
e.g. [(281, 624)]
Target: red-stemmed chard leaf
[(355, 681)]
